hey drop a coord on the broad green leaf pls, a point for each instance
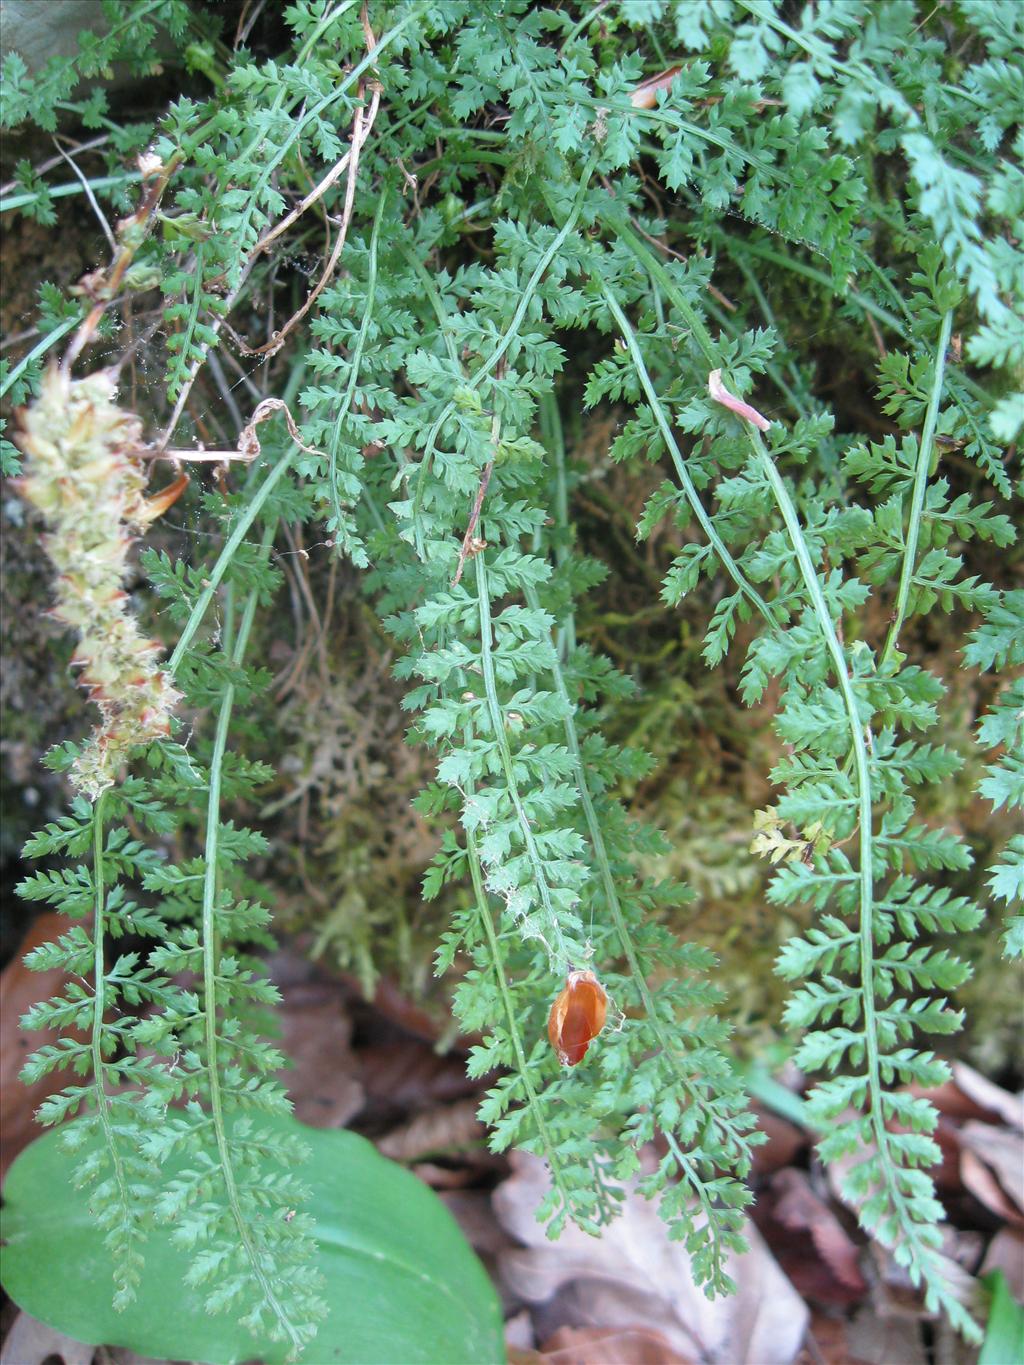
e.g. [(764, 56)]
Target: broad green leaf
[(401, 1281), (1004, 1333)]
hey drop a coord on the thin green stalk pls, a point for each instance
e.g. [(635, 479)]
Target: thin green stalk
[(39, 349), (685, 1164), (858, 742), (596, 836), (560, 952), (707, 526), (657, 271), (754, 285), (253, 507), (252, 511), (479, 890), (664, 114), (322, 27), (244, 265), (554, 438), (492, 361), (857, 739), (99, 963), (357, 352), (434, 295), (924, 456), (210, 964), (655, 267), (102, 182), (99, 1008), (823, 56), (772, 371), (810, 272), (252, 149), (581, 24)]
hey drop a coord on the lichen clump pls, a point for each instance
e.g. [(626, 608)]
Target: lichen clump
[(84, 473)]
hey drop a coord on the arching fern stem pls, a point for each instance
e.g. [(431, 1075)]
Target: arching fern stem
[(484, 915), (495, 357), (920, 1254), (750, 594), (686, 1165), (125, 1289), (924, 457), (558, 951), (247, 515), (355, 359), (211, 956), (922, 1257)]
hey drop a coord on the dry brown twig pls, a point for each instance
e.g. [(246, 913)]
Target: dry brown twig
[(472, 544), (104, 286), (360, 132), (316, 193), (248, 442)]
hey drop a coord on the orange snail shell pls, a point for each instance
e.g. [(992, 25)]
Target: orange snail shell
[(577, 1016)]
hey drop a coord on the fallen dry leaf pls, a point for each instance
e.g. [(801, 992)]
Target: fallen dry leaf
[(892, 1291), (826, 1343), (989, 1096), (609, 1346), (969, 1095), (963, 1245), (398, 1007), (21, 989), (946, 1173), (472, 1210), (405, 1075), (442, 1131), (316, 1032), (445, 1177), (895, 1296), (1006, 1253), (873, 1339), (633, 1274), (519, 1333), (978, 1178), (951, 1102), (799, 1208), (1002, 1150), (785, 1141), (31, 1342)]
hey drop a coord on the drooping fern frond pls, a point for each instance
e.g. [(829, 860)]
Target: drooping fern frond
[(235, 1197), (684, 212), (83, 473), (849, 778)]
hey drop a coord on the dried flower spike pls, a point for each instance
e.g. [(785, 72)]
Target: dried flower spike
[(84, 474), (577, 1016)]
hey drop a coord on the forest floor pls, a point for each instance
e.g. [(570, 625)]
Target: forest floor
[(811, 1290)]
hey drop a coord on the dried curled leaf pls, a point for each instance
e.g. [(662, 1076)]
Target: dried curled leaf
[(577, 1016), (721, 394)]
